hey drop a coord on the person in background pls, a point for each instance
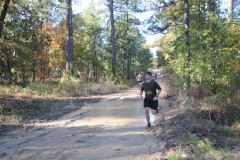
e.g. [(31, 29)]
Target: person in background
[(139, 80), (152, 90)]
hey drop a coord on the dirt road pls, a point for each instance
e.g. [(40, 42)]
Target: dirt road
[(112, 129)]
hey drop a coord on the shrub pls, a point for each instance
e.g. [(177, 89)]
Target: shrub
[(69, 86), (173, 156)]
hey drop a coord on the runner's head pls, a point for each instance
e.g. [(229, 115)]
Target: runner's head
[(149, 74)]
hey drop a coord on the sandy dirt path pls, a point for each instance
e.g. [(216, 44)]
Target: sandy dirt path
[(112, 129)]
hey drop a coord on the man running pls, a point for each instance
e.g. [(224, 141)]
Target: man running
[(152, 91)]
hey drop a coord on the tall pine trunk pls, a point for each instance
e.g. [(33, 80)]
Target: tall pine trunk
[(127, 39), (34, 45), (69, 43), (112, 38), (187, 43), (95, 66), (213, 49), (230, 9)]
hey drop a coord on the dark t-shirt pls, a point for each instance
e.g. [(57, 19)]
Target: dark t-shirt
[(150, 89)]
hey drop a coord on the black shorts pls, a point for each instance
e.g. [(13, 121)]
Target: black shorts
[(151, 103)]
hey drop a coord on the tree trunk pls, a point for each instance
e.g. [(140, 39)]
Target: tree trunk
[(1, 78), (187, 43), (69, 43), (33, 69), (95, 54), (230, 10), (3, 15), (129, 66), (201, 17), (213, 50), (112, 38), (9, 71), (122, 60), (127, 48)]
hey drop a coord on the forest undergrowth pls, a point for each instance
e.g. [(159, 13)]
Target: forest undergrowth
[(199, 127), (46, 101)]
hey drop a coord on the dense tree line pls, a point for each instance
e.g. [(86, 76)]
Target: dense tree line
[(209, 53), (41, 39), (200, 41)]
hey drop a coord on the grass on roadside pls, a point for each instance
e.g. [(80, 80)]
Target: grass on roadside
[(14, 111), (206, 128), (209, 140), (20, 103), (67, 87), (207, 134)]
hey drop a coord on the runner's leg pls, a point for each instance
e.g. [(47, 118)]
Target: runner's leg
[(154, 107), (147, 114), (154, 111), (139, 84)]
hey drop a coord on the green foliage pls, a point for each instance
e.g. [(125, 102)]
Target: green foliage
[(206, 145), (207, 139), (33, 43), (161, 59), (68, 84), (124, 84), (194, 139), (204, 149), (173, 156), (23, 42), (214, 47)]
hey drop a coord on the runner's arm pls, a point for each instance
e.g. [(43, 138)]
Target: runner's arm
[(158, 92), (141, 92), (159, 89)]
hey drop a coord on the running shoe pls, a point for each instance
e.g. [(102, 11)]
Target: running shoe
[(148, 126)]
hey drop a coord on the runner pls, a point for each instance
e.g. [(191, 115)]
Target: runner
[(139, 80), (152, 91)]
